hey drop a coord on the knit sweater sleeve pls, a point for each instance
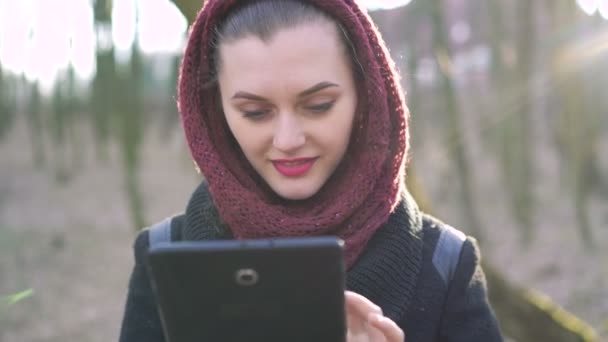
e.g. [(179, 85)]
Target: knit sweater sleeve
[(141, 321), (467, 315)]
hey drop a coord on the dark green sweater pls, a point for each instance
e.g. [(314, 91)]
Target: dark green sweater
[(396, 272)]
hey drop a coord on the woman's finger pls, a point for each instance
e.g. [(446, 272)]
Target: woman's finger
[(358, 309), (356, 303), (387, 327)]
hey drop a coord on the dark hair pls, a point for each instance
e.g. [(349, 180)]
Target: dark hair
[(263, 19)]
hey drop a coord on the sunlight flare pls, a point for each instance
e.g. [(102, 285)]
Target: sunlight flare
[(583, 52)]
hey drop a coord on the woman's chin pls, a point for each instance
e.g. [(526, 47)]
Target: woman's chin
[(295, 192)]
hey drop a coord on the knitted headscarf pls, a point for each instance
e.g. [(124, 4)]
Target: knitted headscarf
[(363, 191)]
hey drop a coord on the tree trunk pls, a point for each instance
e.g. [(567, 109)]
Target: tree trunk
[(529, 316), (511, 120), (189, 8), (577, 130), (455, 139), (8, 104), (33, 112)]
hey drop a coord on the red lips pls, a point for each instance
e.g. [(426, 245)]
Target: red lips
[(293, 167)]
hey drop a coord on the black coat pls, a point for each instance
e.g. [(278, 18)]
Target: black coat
[(396, 272)]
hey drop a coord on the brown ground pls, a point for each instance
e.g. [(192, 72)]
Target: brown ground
[(72, 244)]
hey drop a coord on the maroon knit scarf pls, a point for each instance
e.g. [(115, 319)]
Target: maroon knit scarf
[(362, 193)]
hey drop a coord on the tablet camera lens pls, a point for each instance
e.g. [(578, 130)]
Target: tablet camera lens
[(246, 277)]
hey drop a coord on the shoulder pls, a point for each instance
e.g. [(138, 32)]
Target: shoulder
[(450, 250), (437, 233), (434, 228), (453, 254), (142, 240), (465, 310)]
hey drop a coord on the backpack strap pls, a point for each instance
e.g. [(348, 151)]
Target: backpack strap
[(160, 232), (447, 252)]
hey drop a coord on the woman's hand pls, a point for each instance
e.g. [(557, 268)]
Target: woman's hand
[(366, 323)]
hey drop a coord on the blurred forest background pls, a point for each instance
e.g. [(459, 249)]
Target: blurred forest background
[(510, 133)]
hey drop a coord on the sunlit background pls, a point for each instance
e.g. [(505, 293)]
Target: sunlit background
[(41, 39), (509, 135)]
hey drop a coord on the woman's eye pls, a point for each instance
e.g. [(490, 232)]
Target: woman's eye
[(255, 114), (321, 108)]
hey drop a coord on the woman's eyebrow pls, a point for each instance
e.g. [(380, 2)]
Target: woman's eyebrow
[(248, 96), (317, 87)]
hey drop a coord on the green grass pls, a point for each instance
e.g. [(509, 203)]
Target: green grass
[(10, 243), (10, 300)]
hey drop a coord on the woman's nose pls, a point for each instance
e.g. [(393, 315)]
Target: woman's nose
[(288, 134)]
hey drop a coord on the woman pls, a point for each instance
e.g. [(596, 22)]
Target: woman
[(294, 114)]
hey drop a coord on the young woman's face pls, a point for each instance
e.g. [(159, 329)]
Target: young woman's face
[(290, 104)]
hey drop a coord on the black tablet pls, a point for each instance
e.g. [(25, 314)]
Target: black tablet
[(250, 290)]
